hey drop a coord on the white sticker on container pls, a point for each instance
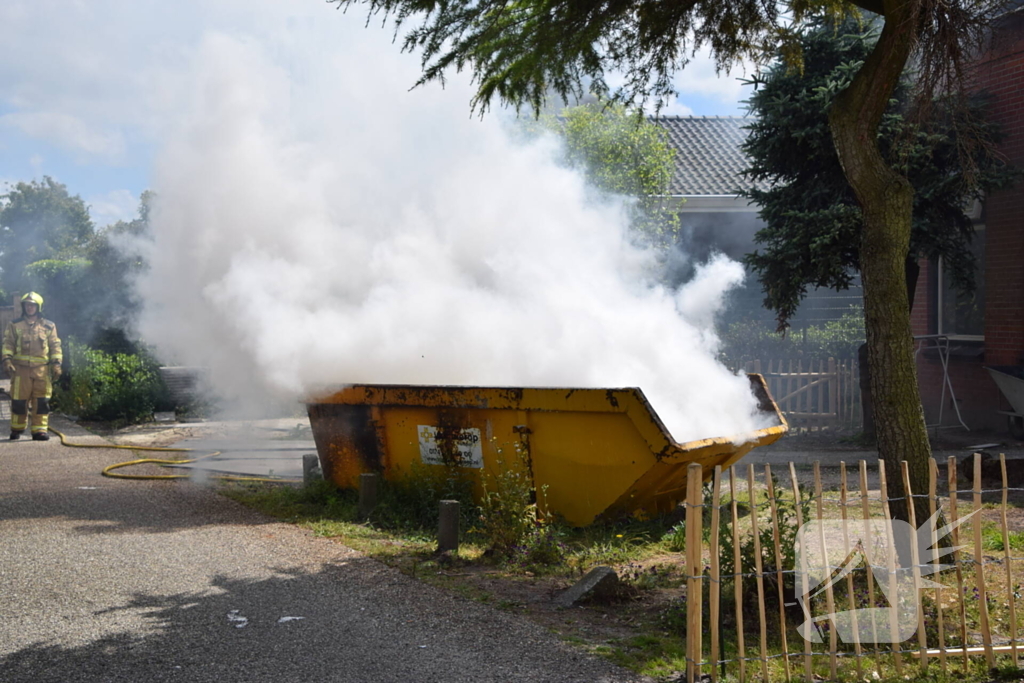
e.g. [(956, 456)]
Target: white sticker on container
[(468, 449)]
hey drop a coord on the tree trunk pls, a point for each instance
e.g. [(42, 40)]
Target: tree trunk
[(886, 199), (913, 270), (866, 405)]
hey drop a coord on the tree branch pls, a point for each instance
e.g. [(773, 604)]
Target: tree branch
[(857, 111)]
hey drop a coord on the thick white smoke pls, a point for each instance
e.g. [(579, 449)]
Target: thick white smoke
[(317, 224)]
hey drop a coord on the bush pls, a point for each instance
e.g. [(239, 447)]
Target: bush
[(115, 387), (508, 508), (790, 517), (751, 339)]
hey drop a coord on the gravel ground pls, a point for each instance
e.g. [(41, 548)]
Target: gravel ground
[(113, 580)]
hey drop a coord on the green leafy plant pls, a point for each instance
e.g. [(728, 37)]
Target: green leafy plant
[(539, 550), (675, 538), (508, 506), (116, 387), (790, 516), (648, 577)]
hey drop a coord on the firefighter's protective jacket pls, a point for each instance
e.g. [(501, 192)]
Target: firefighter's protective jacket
[(32, 342)]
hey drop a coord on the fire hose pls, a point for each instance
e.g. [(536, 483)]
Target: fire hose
[(108, 471)]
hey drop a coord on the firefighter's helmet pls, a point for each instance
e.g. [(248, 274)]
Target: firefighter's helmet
[(32, 298)]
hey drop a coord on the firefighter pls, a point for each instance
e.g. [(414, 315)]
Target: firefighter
[(31, 354)]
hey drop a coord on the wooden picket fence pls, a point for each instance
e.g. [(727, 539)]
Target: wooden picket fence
[(970, 617), (814, 394)]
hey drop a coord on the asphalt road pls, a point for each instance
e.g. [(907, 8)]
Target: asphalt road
[(114, 580)]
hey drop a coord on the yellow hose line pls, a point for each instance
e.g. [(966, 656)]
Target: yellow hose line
[(64, 441), (108, 470)]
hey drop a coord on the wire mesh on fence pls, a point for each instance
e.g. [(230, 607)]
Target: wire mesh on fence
[(800, 584)]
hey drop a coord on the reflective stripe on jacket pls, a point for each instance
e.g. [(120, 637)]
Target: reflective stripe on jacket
[(32, 342)]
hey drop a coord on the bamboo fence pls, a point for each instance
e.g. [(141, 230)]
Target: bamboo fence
[(965, 613)]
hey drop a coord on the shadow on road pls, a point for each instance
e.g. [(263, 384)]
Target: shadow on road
[(359, 622)]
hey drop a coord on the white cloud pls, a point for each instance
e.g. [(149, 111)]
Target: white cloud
[(113, 73), (675, 108), (116, 205), (68, 132), (700, 78)]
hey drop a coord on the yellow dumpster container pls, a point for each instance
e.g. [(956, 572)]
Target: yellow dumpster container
[(595, 453)]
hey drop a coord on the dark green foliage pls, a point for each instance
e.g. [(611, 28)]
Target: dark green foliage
[(116, 387), (39, 221), (48, 244), (520, 51), (90, 293), (814, 223), (115, 340)]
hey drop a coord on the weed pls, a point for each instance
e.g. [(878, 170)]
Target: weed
[(675, 539), (673, 617), (541, 549), (790, 517), (508, 506), (410, 503)]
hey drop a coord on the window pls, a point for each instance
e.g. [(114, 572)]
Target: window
[(963, 315)]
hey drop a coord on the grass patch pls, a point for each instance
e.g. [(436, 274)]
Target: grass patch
[(404, 527), (992, 538), (646, 554)]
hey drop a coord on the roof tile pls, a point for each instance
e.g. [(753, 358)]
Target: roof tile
[(709, 160)]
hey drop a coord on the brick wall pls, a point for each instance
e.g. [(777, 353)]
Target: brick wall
[(920, 320), (1000, 71)]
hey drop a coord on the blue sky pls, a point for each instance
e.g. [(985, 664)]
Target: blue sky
[(91, 90)]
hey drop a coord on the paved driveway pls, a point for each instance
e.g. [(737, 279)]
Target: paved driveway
[(113, 580)]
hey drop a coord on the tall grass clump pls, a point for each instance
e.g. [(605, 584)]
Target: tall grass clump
[(410, 503)]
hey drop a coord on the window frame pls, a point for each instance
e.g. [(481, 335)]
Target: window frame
[(940, 299)]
